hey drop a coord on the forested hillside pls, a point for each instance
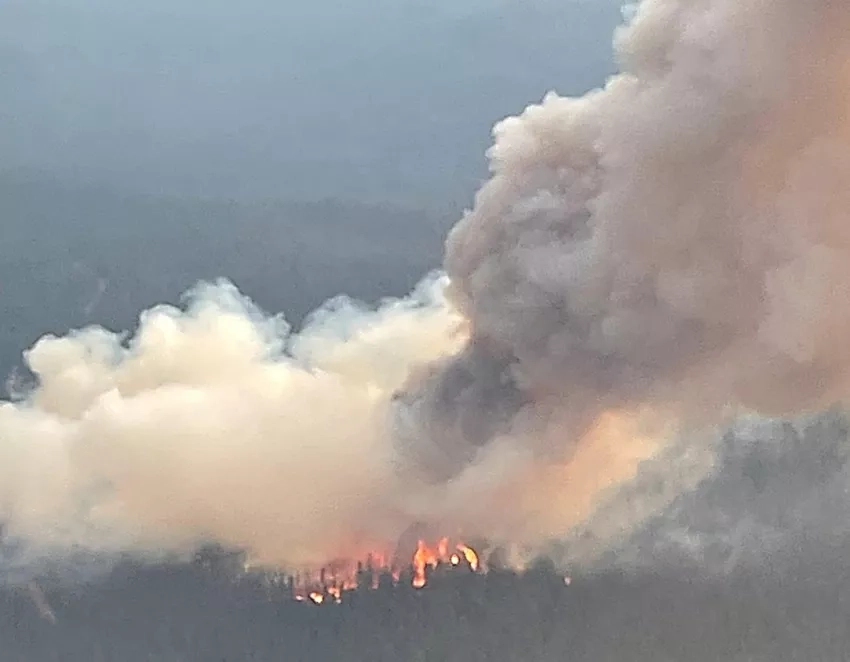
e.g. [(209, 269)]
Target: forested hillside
[(199, 612)]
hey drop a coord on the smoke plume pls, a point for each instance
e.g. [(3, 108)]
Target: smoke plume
[(647, 264)]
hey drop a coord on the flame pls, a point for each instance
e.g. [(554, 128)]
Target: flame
[(470, 555), (429, 557), (331, 583)]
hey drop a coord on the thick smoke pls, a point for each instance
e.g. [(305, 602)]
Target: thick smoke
[(671, 248), (213, 423), (647, 263), (678, 239)]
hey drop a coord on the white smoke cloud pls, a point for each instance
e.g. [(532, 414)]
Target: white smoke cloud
[(646, 263), (213, 423)]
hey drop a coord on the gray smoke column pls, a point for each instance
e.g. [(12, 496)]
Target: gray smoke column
[(677, 240), (671, 250), (646, 263)]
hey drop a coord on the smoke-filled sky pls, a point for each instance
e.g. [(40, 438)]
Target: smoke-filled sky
[(648, 264), (379, 100)]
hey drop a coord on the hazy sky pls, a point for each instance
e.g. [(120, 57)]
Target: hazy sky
[(379, 100)]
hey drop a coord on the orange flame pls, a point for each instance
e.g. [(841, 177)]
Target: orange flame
[(470, 555), (428, 557), (331, 583)]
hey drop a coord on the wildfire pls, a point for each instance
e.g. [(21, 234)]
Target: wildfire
[(333, 582), (429, 557), (470, 555)]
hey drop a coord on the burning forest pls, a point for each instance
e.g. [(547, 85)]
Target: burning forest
[(651, 270), (332, 582)]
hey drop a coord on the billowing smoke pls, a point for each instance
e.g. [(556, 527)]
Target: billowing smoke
[(647, 263), (672, 248), (213, 423)]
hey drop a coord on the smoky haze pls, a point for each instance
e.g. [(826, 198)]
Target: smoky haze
[(648, 265)]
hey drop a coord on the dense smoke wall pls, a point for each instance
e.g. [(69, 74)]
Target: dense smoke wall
[(647, 264)]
